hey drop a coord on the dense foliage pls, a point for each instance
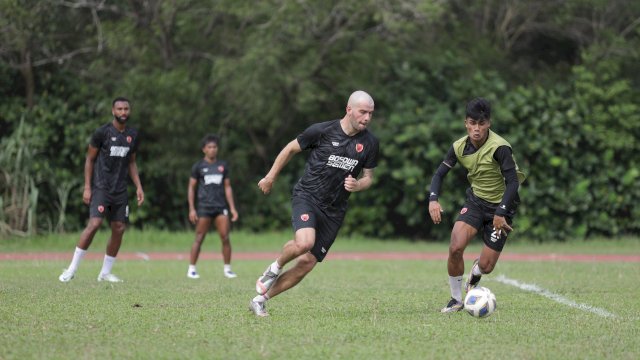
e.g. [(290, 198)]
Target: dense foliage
[(562, 76)]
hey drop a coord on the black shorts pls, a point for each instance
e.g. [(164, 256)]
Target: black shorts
[(115, 207), (479, 214), (305, 214), (211, 212)]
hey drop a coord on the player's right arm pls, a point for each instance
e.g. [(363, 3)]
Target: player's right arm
[(92, 154), (435, 210), (283, 158), (191, 199)]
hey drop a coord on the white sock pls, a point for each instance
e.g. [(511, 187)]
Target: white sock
[(261, 298), (107, 264), (192, 268), (275, 267), (476, 270), (78, 254), (455, 283), (227, 268)]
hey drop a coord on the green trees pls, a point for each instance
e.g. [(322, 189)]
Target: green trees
[(562, 77)]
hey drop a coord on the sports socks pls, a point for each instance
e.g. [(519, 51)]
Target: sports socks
[(455, 283), (107, 264), (78, 254), (227, 268), (476, 270), (275, 267), (192, 268), (261, 298)]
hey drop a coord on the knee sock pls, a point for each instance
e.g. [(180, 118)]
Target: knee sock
[(78, 254), (455, 283)]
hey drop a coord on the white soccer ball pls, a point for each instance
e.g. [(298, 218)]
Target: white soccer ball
[(480, 302)]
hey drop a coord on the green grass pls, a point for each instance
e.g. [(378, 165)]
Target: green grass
[(156, 240), (343, 309)]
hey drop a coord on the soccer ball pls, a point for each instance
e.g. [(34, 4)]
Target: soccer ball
[(480, 302)]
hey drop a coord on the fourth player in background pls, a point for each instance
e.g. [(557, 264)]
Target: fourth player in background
[(491, 201), (210, 176)]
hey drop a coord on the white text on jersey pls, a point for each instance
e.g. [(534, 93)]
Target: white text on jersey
[(213, 179), (119, 151), (341, 162)]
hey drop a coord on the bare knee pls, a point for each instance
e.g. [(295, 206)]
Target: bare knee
[(456, 247), (118, 228), (302, 245), (199, 239), (305, 264)]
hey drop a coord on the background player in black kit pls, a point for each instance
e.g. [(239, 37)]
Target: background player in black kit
[(111, 156), (215, 198), (340, 150)]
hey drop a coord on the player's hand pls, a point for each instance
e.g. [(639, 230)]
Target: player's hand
[(140, 196), (265, 185), (500, 225), (351, 184), (234, 215), (86, 196), (193, 216), (435, 211)]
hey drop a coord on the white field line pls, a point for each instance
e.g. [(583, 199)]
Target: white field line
[(555, 297), (143, 256)]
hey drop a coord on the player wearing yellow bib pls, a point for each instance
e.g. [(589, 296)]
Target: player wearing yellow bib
[(491, 201)]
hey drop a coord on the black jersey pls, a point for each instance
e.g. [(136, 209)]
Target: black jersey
[(211, 183), (111, 168), (334, 155)]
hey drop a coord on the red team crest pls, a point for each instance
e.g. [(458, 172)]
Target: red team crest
[(221, 168), (100, 209), (304, 217), (464, 210), (129, 139), (359, 147)]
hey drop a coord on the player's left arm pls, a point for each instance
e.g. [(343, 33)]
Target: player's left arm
[(228, 194), (363, 183), (133, 173), (508, 168)]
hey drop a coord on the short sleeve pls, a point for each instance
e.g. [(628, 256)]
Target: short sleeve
[(310, 136), (227, 170), (97, 138), (372, 159), (195, 174)]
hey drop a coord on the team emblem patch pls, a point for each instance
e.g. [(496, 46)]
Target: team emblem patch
[(464, 210), (304, 217), (221, 168), (129, 139), (359, 147), (100, 209)]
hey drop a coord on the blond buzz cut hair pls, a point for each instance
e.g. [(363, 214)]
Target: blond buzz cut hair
[(359, 96)]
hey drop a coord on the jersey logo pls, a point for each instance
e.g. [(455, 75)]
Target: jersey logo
[(100, 209), (205, 170), (304, 217), (341, 162), (359, 147), (119, 151), (221, 168), (113, 138), (129, 139), (335, 143), (464, 210)]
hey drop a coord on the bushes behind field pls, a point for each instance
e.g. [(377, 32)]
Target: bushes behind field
[(564, 95)]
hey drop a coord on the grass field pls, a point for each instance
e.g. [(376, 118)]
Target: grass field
[(344, 309)]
